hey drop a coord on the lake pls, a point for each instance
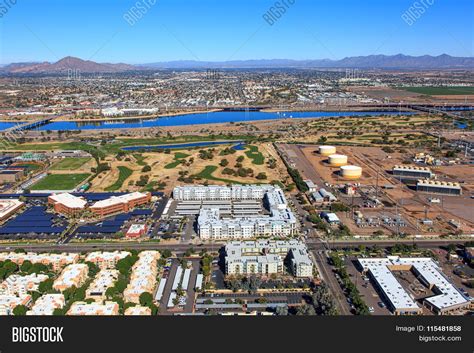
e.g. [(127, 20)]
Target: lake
[(203, 118)]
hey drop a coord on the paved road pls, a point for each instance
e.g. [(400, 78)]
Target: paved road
[(313, 244), (78, 247), (327, 275), (317, 244)]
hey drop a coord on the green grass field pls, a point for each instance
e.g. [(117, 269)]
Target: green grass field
[(60, 181), (178, 156), (172, 165), (140, 159), (31, 166), (441, 91), (70, 163), (255, 155), (124, 173), (207, 172)]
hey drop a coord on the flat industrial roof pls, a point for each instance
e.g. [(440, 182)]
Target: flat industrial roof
[(381, 269)]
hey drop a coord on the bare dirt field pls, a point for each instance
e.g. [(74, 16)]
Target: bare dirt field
[(412, 205)]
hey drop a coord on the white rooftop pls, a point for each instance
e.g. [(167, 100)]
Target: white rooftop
[(69, 200), (114, 200), (426, 268)]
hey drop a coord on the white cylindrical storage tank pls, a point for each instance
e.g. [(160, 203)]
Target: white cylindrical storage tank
[(327, 150), (336, 160), (351, 172)]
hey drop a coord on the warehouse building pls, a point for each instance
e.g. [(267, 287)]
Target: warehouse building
[(439, 187), (267, 257), (408, 171), (446, 299)]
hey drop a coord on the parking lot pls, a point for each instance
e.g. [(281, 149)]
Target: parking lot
[(367, 291), (186, 305)]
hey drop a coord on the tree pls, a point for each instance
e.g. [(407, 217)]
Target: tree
[(93, 268), (25, 266), (20, 310), (224, 163), (261, 176), (146, 168), (146, 299), (305, 310), (46, 285), (166, 253), (282, 310)]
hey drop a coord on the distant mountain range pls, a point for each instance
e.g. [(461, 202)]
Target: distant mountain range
[(399, 61), (64, 66)]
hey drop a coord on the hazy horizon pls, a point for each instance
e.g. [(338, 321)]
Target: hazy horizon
[(216, 31)]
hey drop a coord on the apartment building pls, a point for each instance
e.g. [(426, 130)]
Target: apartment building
[(15, 291), (46, 304), (143, 277), (138, 311), (72, 275), (222, 214), (102, 281), (267, 257), (56, 261), (95, 309), (106, 259)]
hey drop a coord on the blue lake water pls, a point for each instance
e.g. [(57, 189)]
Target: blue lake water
[(6, 125), (203, 118), (239, 145)]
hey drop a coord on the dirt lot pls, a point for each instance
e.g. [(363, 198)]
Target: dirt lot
[(412, 206)]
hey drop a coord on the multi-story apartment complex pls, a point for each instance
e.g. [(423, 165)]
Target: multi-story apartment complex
[(102, 281), (15, 291), (267, 257), (106, 259), (56, 261), (143, 277), (46, 304), (96, 309), (138, 311), (72, 275), (212, 224)]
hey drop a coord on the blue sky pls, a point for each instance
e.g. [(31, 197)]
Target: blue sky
[(47, 30)]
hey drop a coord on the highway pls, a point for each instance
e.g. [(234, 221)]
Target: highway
[(84, 247), (318, 244)]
